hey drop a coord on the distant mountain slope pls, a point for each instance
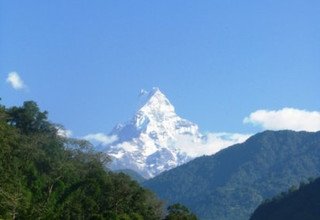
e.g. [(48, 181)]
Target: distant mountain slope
[(233, 182), (303, 203), (134, 175)]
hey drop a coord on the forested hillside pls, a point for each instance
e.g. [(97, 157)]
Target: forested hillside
[(48, 176), (296, 204), (134, 175), (232, 183)]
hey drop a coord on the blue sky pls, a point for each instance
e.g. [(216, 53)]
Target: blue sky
[(217, 61)]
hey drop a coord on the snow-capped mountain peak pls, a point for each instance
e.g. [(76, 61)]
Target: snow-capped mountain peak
[(148, 143), (157, 101), (156, 109)]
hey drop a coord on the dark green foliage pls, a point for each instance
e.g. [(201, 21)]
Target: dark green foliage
[(29, 119), (233, 182), (296, 204), (179, 212), (46, 176)]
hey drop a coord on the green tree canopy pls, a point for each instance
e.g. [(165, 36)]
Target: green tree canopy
[(179, 212), (46, 176), (29, 118)]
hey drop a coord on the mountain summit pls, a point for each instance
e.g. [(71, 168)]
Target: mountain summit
[(150, 142)]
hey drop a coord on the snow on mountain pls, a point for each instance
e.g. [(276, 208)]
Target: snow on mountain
[(156, 139), (149, 142)]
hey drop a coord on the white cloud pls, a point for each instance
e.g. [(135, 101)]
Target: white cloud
[(210, 144), (15, 81), (286, 118), (101, 138), (64, 132)]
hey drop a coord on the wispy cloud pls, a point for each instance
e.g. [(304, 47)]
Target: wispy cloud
[(210, 144), (15, 81), (286, 118), (101, 138)]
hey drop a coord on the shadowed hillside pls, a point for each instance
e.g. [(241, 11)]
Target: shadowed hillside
[(296, 204), (233, 182)]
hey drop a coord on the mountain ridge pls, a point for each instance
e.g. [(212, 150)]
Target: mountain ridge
[(231, 183), (297, 203)]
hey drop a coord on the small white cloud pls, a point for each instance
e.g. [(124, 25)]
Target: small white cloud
[(286, 118), (64, 132), (210, 144), (15, 81), (101, 138)]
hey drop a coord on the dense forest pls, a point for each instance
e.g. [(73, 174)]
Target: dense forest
[(296, 204), (232, 183), (45, 175)]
